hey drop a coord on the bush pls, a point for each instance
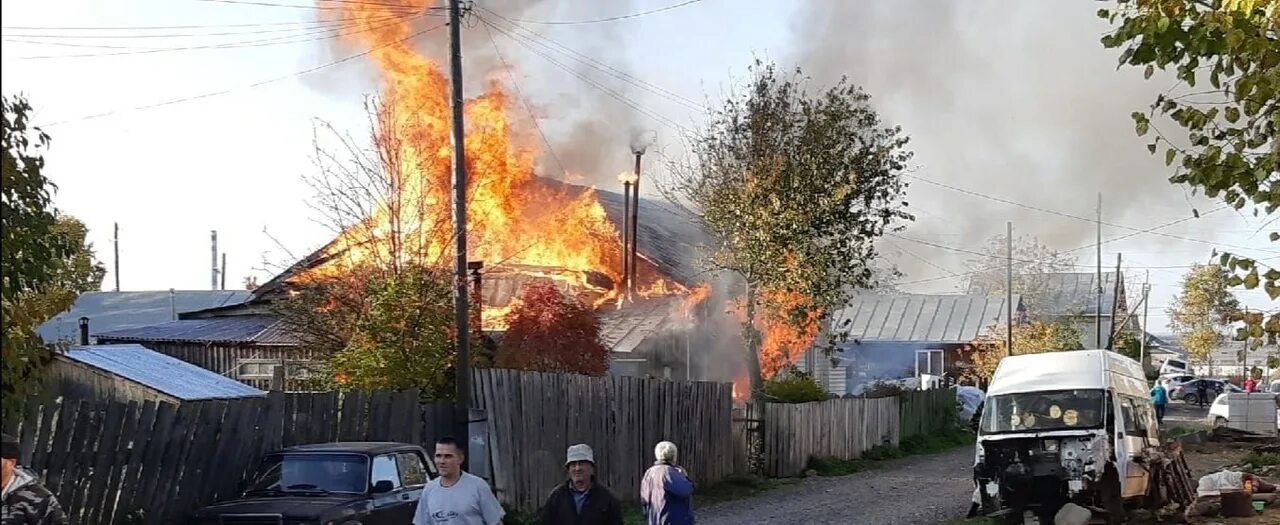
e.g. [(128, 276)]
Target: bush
[(794, 387)]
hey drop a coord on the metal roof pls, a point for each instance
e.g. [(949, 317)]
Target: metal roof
[(922, 318), (171, 376), (109, 311), (625, 329), (263, 330), (1065, 293)]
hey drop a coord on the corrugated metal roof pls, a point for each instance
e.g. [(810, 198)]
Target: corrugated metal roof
[(623, 330), (171, 376), (109, 311), (1066, 293), (264, 330), (923, 318)]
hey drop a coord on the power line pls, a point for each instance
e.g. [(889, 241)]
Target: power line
[(170, 28), (523, 100), (264, 42), (1084, 247), (250, 86), (621, 98), (1071, 216), (1027, 261), (298, 27), (604, 67), (600, 20)]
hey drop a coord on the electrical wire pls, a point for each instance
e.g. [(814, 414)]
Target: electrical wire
[(520, 93), (250, 86), (604, 67), (601, 20), (170, 28), (619, 97), (318, 24), (315, 35), (1071, 216)]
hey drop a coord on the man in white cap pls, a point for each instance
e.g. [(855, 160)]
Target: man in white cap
[(581, 500)]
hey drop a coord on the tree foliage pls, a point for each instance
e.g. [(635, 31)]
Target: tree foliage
[(548, 331), (46, 261), (1035, 337), (1033, 263), (794, 386), (1203, 311), (795, 187), (1227, 140)]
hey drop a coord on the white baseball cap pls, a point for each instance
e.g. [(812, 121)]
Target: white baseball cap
[(579, 452)]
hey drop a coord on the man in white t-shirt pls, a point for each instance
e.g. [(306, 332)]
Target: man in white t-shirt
[(456, 497)]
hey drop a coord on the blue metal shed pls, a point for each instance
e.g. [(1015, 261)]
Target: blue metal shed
[(153, 370)]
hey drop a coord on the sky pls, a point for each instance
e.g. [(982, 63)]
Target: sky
[(1017, 102)]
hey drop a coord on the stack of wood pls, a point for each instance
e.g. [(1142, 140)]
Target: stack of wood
[(1171, 480)]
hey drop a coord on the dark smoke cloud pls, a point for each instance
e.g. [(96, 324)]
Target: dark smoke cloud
[(1014, 99)]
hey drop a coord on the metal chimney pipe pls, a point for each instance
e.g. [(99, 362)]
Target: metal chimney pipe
[(477, 282), (84, 331), (626, 230), (222, 275), (635, 229)]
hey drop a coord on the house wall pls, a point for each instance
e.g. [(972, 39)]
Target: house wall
[(847, 370), (227, 359), (72, 379)]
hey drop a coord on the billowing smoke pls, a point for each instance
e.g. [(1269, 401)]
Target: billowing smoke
[(1013, 99)]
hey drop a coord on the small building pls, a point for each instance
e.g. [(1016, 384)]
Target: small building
[(110, 311), (916, 340), (130, 372), (1073, 298)]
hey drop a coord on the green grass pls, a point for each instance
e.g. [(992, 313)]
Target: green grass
[(1262, 459), (912, 446)]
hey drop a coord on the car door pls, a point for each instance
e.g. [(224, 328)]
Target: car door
[(414, 475), (1129, 443), (387, 507)]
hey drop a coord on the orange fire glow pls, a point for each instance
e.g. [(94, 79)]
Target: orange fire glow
[(697, 296), (513, 216), (783, 339)]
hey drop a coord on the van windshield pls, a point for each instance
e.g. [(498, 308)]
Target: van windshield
[(1040, 411)]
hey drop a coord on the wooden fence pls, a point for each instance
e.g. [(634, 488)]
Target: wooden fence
[(534, 417), (921, 412), (836, 428), (153, 462)]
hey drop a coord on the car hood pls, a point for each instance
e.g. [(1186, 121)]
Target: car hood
[(287, 506)]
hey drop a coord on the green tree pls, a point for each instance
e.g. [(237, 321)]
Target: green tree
[(1224, 138), (1203, 311), (1033, 263), (795, 187), (46, 261)]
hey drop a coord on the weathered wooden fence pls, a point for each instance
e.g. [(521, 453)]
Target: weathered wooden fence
[(534, 417), (924, 411), (836, 428), (153, 462)]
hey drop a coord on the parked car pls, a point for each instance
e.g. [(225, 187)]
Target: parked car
[(1220, 411), (353, 483), (1176, 379), (1063, 427), (1174, 366), (1189, 391)]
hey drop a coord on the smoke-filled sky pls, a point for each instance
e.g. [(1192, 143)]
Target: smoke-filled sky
[(1014, 100)]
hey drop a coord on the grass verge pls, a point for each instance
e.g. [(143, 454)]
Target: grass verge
[(1262, 459), (912, 446)]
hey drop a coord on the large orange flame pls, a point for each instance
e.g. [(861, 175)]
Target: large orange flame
[(788, 325), (513, 216)]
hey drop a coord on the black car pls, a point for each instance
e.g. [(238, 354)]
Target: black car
[(360, 483)]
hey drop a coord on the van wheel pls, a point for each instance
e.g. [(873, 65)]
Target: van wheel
[(1110, 496), (1219, 422)]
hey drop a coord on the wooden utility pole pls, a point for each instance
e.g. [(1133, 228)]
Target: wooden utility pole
[(1142, 343), (1097, 315), (460, 284), (1008, 287), (1115, 308), (115, 241)]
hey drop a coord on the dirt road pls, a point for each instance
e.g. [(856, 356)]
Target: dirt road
[(922, 490)]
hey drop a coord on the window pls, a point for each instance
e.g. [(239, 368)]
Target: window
[(929, 362), (1137, 415), (256, 369), (301, 472), (1130, 418), (412, 472), (384, 469)]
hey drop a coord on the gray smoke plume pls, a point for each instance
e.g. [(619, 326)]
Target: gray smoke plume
[(1013, 99)]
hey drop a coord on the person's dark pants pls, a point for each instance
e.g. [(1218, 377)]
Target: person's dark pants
[(1202, 397), (1160, 413)]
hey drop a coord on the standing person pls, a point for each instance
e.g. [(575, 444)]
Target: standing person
[(1160, 398), (26, 501), (456, 497), (1250, 385), (666, 492), (581, 500), (1202, 392)]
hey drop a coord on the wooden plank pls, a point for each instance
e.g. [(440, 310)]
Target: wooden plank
[(346, 417), (141, 447), (58, 452), (202, 465), (242, 452), (170, 471), (108, 447), (119, 465), (30, 424), (82, 438), (379, 416), (273, 436), (44, 440)]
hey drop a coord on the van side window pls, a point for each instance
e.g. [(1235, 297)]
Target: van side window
[(1127, 411)]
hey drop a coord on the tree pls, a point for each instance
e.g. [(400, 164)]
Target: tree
[(1033, 262), (1035, 337), (548, 331), (1203, 311), (795, 188), (46, 261), (1227, 140)]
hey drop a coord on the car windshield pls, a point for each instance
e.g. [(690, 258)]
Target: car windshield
[(1039, 411), (312, 473)]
